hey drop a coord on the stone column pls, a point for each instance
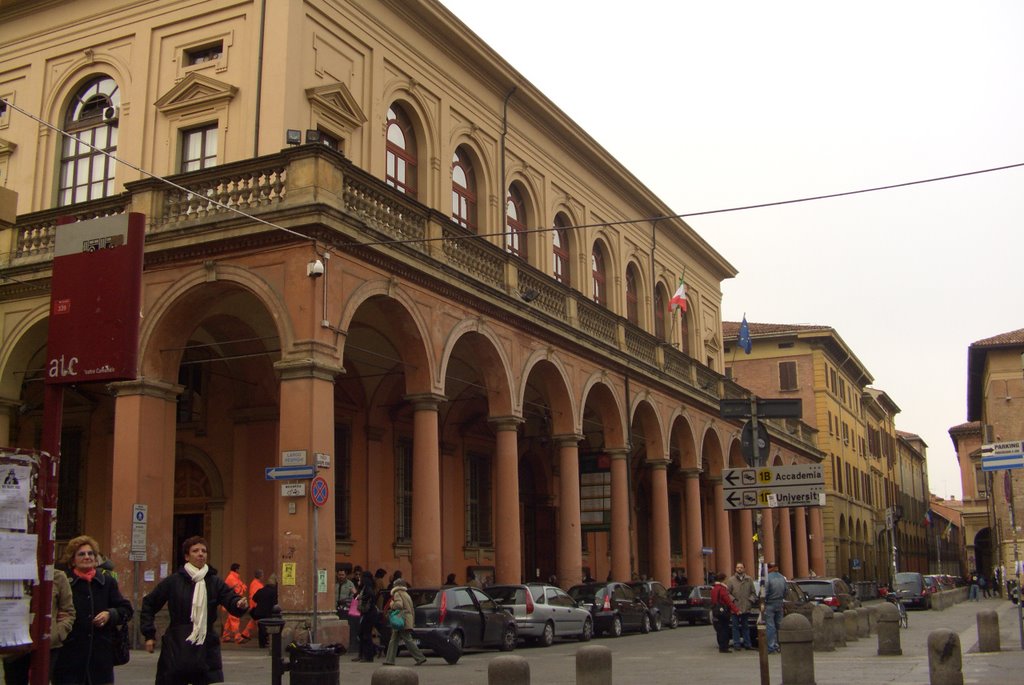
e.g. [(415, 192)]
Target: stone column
[(746, 547), (723, 536), (785, 544), (142, 472), (800, 542), (570, 539), (817, 541), (508, 548), (768, 535), (694, 528), (661, 554), (306, 423), (426, 492), (620, 538)]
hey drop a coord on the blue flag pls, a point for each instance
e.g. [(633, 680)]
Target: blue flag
[(744, 339)]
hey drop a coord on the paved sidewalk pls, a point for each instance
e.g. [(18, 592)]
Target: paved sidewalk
[(687, 654)]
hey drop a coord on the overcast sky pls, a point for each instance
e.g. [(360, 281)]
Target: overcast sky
[(724, 104)]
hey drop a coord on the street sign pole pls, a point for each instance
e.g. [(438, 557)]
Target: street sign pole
[(762, 641), (315, 575)]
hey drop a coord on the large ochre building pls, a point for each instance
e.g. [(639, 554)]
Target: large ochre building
[(444, 285), (872, 470)]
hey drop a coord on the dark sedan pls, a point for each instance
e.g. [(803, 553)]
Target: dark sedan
[(692, 603), (659, 605), (451, 619), (833, 592), (614, 606)]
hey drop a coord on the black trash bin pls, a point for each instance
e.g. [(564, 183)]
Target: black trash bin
[(309, 665)]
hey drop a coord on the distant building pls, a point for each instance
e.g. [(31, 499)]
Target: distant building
[(872, 470)]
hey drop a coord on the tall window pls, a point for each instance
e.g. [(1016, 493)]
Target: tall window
[(463, 190), (478, 501), (342, 467), (515, 218), (632, 307), (597, 274), (86, 173), (401, 152), (403, 492), (660, 306), (560, 250), (199, 148), (684, 332), (787, 375)]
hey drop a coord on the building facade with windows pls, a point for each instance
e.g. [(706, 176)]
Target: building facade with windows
[(995, 392), (869, 468), (367, 237)]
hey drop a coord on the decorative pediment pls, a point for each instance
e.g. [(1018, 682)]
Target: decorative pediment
[(195, 90), (334, 101)]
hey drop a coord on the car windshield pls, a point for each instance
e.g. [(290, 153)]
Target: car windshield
[(507, 594), (584, 593), (423, 597), (908, 581), (816, 588)]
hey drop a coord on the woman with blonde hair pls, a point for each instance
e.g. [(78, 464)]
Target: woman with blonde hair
[(87, 656)]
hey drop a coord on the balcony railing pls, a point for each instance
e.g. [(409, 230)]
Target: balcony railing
[(287, 183)]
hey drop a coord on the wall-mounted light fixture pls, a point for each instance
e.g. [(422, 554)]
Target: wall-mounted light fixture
[(293, 136), (312, 135)]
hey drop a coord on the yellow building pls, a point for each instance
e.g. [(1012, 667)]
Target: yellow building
[(871, 469), (368, 238)]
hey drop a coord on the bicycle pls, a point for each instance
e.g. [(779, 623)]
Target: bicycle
[(894, 598)]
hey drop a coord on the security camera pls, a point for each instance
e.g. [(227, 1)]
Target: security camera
[(315, 269)]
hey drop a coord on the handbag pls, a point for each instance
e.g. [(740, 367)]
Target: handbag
[(396, 620), (122, 643), (353, 609), (719, 611)]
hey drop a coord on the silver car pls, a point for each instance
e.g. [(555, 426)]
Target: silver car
[(543, 612)]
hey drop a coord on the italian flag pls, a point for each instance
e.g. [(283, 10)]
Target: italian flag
[(678, 300)]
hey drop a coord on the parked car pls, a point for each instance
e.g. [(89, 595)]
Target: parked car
[(452, 619), (911, 588), (543, 612), (614, 607), (833, 592), (692, 603), (659, 605), (797, 601)]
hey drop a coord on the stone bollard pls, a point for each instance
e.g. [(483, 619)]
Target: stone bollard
[(394, 675), (850, 622), (988, 631), (821, 621), (945, 662), (863, 623), (889, 630), (594, 665), (838, 629), (873, 619), (508, 669), (797, 641)]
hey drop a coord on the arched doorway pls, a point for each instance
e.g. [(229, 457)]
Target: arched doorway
[(540, 522), (198, 501), (983, 552)]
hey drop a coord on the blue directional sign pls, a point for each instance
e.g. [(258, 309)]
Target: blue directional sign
[(1000, 462), (290, 472)]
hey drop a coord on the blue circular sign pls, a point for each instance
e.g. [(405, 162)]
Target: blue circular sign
[(318, 491)]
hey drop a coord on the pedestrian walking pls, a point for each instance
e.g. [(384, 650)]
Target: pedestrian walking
[(774, 594), (87, 656), (232, 624), (265, 599), (368, 613), (722, 609), (401, 602), (190, 648), (255, 585)]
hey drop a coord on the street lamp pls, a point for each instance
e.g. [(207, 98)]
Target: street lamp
[(274, 625)]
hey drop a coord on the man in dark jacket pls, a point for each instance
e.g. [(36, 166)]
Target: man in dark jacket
[(190, 648)]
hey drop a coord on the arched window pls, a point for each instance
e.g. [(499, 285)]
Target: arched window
[(632, 309), (560, 250), (91, 118), (684, 332), (515, 218), (660, 307), (597, 272), (463, 190), (401, 152)]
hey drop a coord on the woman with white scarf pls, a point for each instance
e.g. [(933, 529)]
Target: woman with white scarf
[(190, 648)]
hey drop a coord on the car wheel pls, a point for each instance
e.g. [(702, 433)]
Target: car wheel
[(588, 631), (455, 644), (645, 626), (547, 638), (508, 638), (674, 623), (656, 623), (616, 630)]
